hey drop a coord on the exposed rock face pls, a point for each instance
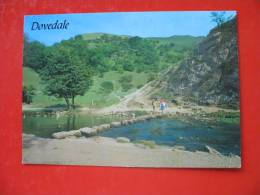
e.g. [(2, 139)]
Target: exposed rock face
[(210, 75)]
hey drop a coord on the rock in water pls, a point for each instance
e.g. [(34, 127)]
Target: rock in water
[(122, 140), (64, 134), (212, 150), (115, 124), (101, 127), (87, 131)]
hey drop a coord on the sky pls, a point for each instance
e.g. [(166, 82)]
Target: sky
[(142, 24)]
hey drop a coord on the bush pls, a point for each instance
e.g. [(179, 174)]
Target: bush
[(139, 86), (126, 86), (28, 93), (107, 86), (151, 77), (128, 67), (126, 79)]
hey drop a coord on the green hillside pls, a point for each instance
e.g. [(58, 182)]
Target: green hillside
[(95, 94), (93, 36), (30, 77), (116, 64), (180, 41)]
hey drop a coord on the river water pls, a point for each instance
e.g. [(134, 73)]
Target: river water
[(44, 124), (223, 137)]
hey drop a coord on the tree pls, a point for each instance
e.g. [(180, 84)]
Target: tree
[(28, 93), (65, 75), (34, 54), (219, 17)]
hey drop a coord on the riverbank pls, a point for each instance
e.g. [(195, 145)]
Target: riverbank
[(103, 151)]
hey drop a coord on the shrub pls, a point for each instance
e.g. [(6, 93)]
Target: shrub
[(107, 86), (28, 93), (126, 79), (126, 86), (139, 86), (151, 77)]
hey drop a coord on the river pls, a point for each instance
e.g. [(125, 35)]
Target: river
[(223, 137)]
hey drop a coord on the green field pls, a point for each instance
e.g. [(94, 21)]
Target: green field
[(94, 95)]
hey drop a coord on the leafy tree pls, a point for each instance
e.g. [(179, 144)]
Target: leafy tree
[(65, 75), (219, 17), (28, 93), (135, 42), (34, 54), (128, 65)]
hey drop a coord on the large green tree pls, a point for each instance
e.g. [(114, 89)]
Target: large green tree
[(65, 74)]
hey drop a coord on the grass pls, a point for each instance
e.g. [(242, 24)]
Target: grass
[(30, 77), (94, 95), (226, 117)]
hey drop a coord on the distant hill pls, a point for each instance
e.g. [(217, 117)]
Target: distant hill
[(169, 50), (179, 41), (93, 36)]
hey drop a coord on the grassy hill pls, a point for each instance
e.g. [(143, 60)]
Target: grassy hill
[(179, 41), (116, 57), (95, 94), (93, 36)]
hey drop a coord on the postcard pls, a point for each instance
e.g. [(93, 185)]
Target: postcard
[(132, 89)]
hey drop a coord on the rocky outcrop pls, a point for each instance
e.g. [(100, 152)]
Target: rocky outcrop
[(210, 75)]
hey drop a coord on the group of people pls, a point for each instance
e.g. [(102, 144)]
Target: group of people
[(162, 105)]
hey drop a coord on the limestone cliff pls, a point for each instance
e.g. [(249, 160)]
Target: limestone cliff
[(210, 74)]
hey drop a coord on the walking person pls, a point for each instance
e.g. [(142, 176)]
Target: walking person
[(162, 105)]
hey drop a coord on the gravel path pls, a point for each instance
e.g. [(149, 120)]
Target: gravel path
[(102, 151)]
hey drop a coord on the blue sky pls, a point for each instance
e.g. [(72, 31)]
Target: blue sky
[(143, 24)]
